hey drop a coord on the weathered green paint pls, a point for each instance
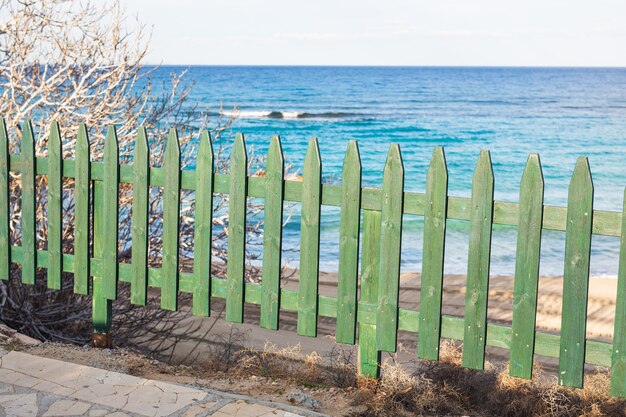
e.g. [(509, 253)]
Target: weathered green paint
[(101, 306), (55, 198), (203, 228), (171, 221), (369, 355), (5, 244), (350, 222), (237, 206), (618, 359), (139, 231), (110, 215), (272, 235), (475, 331), (390, 245), (435, 208), (310, 240), (576, 276), (527, 269), (28, 204), (81, 212)]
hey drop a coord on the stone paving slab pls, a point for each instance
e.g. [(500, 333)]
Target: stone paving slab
[(41, 387)]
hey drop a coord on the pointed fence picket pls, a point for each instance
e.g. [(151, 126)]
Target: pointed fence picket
[(367, 311)]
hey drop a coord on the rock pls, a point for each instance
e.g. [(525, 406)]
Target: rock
[(7, 332), (301, 398)]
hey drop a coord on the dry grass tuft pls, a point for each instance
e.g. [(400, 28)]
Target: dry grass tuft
[(335, 369), (445, 388)]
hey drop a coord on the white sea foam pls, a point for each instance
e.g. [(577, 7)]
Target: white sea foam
[(246, 114)]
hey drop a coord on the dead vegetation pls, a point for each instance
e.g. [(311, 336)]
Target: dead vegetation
[(445, 388), (433, 389)]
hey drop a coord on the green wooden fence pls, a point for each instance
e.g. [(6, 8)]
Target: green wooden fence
[(371, 220)]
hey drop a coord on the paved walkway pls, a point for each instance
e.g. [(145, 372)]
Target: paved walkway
[(35, 386)]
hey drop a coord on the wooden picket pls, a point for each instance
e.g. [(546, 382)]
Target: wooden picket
[(475, 329), (350, 221), (29, 260), (81, 212), (203, 227), (618, 360), (436, 200), (55, 198), (139, 233), (171, 216), (527, 269), (237, 205), (390, 242), (272, 235), (367, 311), (310, 240), (576, 276), (5, 244)]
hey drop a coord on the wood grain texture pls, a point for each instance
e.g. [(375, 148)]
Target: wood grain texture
[(5, 244), (139, 228), (618, 358), (476, 295), (527, 269), (203, 228), (272, 235), (436, 200), (576, 276), (171, 222), (310, 241), (55, 211), (390, 249), (110, 215), (237, 207), (349, 232), (369, 355), (28, 204), (82, 210)]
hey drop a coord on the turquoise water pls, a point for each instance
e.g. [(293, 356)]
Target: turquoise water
[(560, 113)]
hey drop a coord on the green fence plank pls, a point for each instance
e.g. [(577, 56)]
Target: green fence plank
[(435, 210), (576, 275), (28, 204), (310, 240), (139, 237), (203, 227), (527, 269), (110, 215), (390, 248), (5, 244), (350, 222), (55, 211), (81, 212), (171, 222), (475, 331), (237, 205), (618, 359), (101, 306), (369, 355), (272, 235)]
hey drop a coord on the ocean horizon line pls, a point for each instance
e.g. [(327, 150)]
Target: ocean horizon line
[(541, 67)]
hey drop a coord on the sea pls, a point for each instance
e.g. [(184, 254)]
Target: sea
[(560, 113)]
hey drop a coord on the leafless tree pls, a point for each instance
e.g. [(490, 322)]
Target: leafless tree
[(81, 62)]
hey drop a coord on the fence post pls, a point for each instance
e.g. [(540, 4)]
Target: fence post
[(101, 310)]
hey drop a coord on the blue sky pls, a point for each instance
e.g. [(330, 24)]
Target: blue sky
[(385, 32)]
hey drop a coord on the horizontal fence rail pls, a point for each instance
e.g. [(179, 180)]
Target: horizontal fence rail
[(366, 308)]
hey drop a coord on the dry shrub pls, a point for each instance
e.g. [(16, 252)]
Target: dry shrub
[(445, 388), (290, 364)]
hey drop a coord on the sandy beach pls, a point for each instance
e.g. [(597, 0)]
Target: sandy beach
[(190, 339)]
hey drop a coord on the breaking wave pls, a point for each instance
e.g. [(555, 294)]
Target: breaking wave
[(256, 114)]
